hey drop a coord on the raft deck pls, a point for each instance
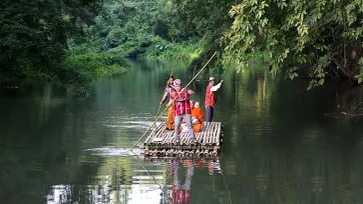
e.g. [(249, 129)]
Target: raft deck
[(161, 142)]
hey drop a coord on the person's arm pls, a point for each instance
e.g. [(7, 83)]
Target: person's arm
[(201, 116), (173, 95), (164, 97), (216, 87), (190, 92)]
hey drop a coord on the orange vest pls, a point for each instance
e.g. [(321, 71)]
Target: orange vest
[(210, 99)]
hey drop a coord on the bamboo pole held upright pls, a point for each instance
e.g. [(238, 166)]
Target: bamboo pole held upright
[(171, 74)]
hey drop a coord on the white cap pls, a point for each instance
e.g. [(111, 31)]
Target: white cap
[(211, 78), (177, 82)]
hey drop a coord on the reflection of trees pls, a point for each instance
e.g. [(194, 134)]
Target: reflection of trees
[(348, 103), (311, 172), (245, 99), (279, 147), (41, 144), (119, 180)]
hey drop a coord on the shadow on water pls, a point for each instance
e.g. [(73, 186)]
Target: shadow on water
[(279, 145)]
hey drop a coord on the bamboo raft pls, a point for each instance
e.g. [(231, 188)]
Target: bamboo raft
[(183, 159), (162, 143)]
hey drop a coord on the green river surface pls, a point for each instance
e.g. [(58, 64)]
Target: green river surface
[(279, 144)]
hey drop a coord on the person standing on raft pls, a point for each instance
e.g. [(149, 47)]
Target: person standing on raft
[(167, 94), (181, 109), (210, 99)]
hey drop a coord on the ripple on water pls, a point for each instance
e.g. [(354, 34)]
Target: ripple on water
[(111, 151), (139, 121)]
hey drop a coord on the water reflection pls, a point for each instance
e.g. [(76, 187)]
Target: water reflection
[(279, 147), (181, 189), (151, 181), (181, 173), (59, 194)]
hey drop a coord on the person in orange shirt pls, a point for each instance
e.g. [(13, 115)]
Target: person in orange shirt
[(167, 94), (197, 117)]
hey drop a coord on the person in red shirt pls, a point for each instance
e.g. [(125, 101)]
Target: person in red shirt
[(181, 109), (210, 99)]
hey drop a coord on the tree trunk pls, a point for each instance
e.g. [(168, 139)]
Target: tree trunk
[(347, 73)]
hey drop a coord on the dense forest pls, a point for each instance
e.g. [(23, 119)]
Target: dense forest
[(74, 42)]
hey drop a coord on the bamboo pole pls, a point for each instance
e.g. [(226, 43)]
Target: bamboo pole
[(171, 74), (200, 71)]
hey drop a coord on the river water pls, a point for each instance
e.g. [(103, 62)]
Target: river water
[(279, 146)]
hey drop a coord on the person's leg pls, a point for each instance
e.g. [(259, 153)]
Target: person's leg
[(188, 179), (177, 122), (170, 119), (188, 121), (207, 112), (178, 187), (176, 177), (211, 113), (188, 182)]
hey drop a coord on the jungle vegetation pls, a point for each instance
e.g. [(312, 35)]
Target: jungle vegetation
[(76, 41)]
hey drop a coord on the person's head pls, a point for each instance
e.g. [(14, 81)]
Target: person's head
[(211, 80), (177, 84), (170, 80), (191, 103), (196, 104)]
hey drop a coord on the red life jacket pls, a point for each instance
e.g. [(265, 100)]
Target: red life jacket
[(210, 99), (182, 103)]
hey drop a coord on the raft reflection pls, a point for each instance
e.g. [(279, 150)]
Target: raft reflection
[(156, 181), (179, 188)]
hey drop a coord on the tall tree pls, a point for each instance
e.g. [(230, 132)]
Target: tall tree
[(206, 20), (319, 37), (34, 34)]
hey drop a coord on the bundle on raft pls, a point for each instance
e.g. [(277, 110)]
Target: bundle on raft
[(162, 142)]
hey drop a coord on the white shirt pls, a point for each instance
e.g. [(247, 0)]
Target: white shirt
[(216, 87)]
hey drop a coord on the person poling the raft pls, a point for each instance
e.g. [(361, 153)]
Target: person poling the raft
[(210, 99), (169, 89), (181, 109)]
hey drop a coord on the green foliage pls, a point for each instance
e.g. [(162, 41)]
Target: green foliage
[(206, 21), (34, 36), (359, 77), (96, 65), (205, 18), (319, 34), (138, 28), (291, 73)]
